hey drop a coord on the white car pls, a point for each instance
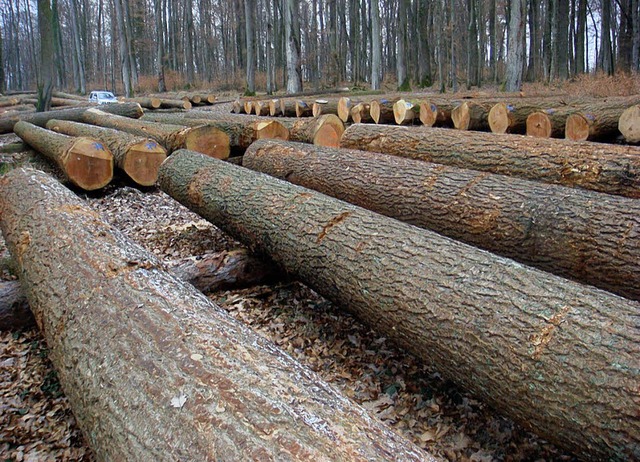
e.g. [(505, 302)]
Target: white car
[(102, 97)]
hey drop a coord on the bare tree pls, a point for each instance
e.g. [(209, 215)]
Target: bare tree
[(376, 51), (250, 19), (157, 4), (45, 81), (515, 47), (292, 38)]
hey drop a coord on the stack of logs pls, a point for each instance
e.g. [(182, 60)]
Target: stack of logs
[(510, 264), (577, 119)]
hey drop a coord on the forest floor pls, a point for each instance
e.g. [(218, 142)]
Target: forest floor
[(37, 424)]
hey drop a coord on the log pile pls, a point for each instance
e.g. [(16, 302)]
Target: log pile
[(525, 341), (154, 370)]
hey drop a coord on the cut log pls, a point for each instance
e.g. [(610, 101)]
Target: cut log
[(60, 94), (404, 112), (154, 370), (241, 130), (237, 107), (209, 98), (7, 101), (85, 162), (598, 122), (261, 108), (13, 148), (148, 103), (175, 104), (344, 108), (531, 344), (538, 224), (507, 118), (274, 107), (288, 107), (605, 168), (324, 106), (75, 114), (60, 102), (361, 113), (435, 115), (325, 130), (234, 269), (382, 111), (471, 116), (248, 106), (629, 124), (549, 123), (205, 139), (303, 109), (139, 157), (15, 313)]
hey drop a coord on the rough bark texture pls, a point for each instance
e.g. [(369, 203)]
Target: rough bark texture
[(324, 106), (205, 139), (261, 108), (85, 162), (153, 369), (41, 118), (605, 168), (241, 130), (149, 103), (579, 234), (595, 123), (629, 124), (382, 111), (558, 356), (137, 156), (15, 313), (471, 116)]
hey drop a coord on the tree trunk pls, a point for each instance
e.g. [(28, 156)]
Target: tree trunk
[(525, 341), (241, 131), (376, 52), (324, 106), (75, 114), (605, 168), (15, 313), (538, 224), (515, 53), (361, 113), (261, 108), (303, 109), (250, 20), (45, 81), (139, 157), (204, 139), (292, 38), (160, 56), (325, 130), (599, 123), (511, 116), (629, 124), (85, 162), (152, 368), (146, 102), (471, 116)]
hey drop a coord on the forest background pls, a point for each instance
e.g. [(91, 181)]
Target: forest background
[(142, 46)]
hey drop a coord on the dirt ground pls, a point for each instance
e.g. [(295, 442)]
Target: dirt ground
[(36, 423)]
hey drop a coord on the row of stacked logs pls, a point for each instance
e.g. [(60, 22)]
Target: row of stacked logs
[(578, 119)]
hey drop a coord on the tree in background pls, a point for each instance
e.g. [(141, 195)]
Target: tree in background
[(45, 80)]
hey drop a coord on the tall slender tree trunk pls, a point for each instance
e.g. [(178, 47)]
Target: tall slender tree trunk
[(123, 49), (605, 58), (189, 43), (401, 65), (579, 39), (493, 61), (3, 84), (635, 53), (376, 50), (249, 25), (292, 37), (79, 62), (454, 57), (61, 77), (270, 58), (472, 45), (45, 27), (515, 53), (157, 4)]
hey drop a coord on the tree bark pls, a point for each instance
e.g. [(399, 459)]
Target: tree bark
[(205, 139), (45, 80), (139, 157), (324, 106), (515, 49), (605, 168), (600, 125), (85, 162), (531, 344), (571, 233), (40, 119), (629, 124), (241, 130), (152, 368), (292, 40)]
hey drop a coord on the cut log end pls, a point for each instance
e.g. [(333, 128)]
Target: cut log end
[(374, 110), (208, 140), (89, 164), (344, 108), (461, 117), (271, 130), (629, 124), (274, 107), (248, 107), (428, 114), (156, 103), (403, 112), (142, 162), (303, 109), (577, 127), (539, 125), (329, 132), (317, 107), (500, 118)]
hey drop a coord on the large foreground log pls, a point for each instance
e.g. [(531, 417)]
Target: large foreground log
[(137, 156), (204, 138), (605, 168), (572, 233), (153, 369), (41, 118), (555, 355), (84, 161)]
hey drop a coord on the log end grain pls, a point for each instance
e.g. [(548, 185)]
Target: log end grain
[(208, 140), (461, 116), (271, 130), (302, 109), (156, 103), (274, 108), (374, 110), (248, 107), (539, 125), (428, 113), (403, 112), (577, 127), (500, 118), (329, 132), (629, 124), (143, 160), (344, 108), (195, 99), (89, 164), (210, 99), (318, 106), (237, 107)]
